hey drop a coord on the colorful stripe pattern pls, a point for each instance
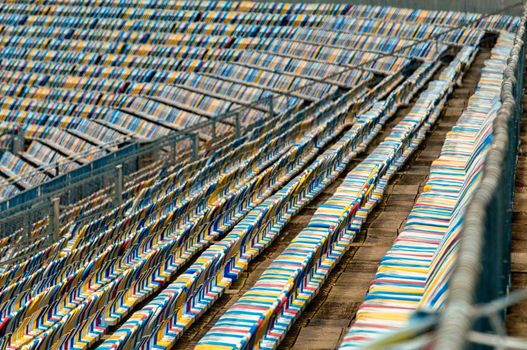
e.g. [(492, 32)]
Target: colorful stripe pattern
[(163, 320), (262, 316), (108, 78), (62, 66), (414, 273), (104, 256)]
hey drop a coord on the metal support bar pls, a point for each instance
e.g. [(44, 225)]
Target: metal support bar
[(118, 196), (55, 216), (27, 229), (18, 144), (496, 341), (237, 131), (195, 146), (174, 148), (214, 129), (271, 106)]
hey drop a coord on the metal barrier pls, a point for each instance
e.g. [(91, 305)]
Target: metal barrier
[(123, 154), (419, 334), (482, 271), (33, 204)]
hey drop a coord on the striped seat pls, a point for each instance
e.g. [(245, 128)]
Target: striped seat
[(414, 273)]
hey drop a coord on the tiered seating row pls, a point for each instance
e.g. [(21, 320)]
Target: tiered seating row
[(147, 9), (140, 293), (21, 31), (160, 325), (414, 273), (52, 94), (263, 315), (70, 292), (128, 124), (72, 259)]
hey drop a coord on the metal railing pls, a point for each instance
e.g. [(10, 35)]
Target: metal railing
[(478, 295), (483, 265), (419, 333), (35, 202)]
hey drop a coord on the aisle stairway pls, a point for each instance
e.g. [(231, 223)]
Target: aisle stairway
[(516, 315)]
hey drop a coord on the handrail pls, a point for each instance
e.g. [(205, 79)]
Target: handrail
[(484, 253), (419, 333), (143, 147)]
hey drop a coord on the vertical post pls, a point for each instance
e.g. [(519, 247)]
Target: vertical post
[(271, 106), (56, 216), (237, 131), (16, 145), (26, 225), (213, 129), (174, 148), (119, 185), (18, 140), (195, 146)]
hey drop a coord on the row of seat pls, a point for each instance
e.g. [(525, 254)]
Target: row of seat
[(136, 124), (170, 243), (98, 270), (210, 33), (125, 303), (137, 127), (81, 252), (13, 167), (414, 273), (152, 10), (262, 316), (161, 322), (116, 119)]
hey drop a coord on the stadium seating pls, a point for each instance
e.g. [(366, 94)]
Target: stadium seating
[(294, 277), (82, 80), (223, 262), (113, 62), (414, 273)]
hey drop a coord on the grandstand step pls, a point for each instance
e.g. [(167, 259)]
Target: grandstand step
[(516, 316)]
